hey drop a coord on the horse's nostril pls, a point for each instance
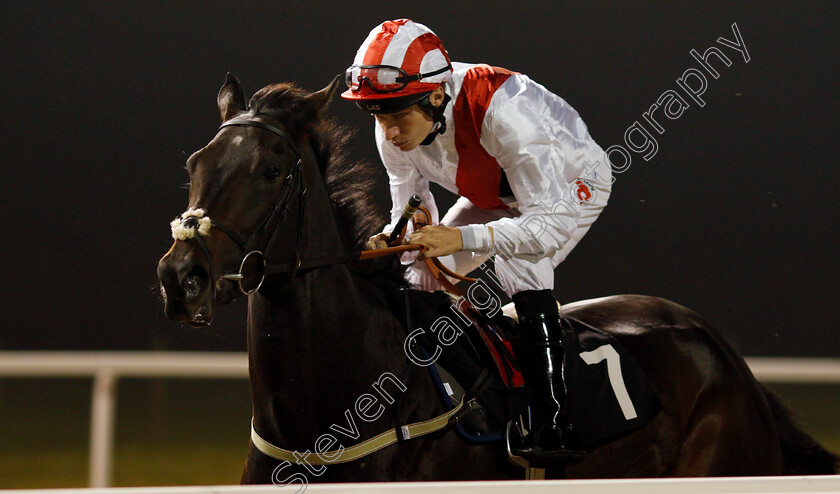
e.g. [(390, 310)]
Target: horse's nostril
[(192, 286), (194, 282)]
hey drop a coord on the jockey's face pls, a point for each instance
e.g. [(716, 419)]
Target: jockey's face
[(407, 128)]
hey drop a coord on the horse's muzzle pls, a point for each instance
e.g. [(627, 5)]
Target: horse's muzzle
[(185, 287)]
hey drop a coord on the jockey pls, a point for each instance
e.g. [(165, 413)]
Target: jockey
[(531, 182)]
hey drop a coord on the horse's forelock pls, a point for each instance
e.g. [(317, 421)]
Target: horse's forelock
[(287, 103)]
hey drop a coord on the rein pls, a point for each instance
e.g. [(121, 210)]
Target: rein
[(195, 224)]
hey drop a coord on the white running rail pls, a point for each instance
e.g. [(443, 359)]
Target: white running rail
[(107, 367), (724, 485)]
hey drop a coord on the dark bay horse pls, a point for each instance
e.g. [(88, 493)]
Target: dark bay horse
[(322, 334)]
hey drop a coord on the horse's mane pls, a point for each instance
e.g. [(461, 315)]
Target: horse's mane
[(350, 184)]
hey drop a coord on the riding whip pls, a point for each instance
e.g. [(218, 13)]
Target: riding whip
[(410, 208)]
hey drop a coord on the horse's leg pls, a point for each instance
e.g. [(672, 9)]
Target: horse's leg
[(729, 433), (253, 473)]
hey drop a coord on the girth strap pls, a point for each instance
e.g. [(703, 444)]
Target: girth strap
[(364, 448)]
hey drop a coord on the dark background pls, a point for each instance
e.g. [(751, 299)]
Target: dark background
[(736, 216)]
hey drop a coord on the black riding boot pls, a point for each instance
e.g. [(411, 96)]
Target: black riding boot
[(541, 361)]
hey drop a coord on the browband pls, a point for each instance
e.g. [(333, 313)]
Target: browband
[(262, 125)]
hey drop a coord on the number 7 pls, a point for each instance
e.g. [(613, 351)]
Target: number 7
[(614, 373)]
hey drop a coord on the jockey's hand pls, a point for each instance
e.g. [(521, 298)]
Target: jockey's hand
[(378, 241), (438, 240)]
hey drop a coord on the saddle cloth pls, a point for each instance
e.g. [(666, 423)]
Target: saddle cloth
[(608, 394)]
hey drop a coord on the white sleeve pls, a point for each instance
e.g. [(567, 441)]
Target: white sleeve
[(404, 179), (541, 144)]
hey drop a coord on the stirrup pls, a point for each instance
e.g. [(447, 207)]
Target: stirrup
[(539, 460), (531, 473)]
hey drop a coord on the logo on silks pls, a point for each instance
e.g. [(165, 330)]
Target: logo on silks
[(585, 191)]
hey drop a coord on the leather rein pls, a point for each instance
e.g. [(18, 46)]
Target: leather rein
[(191, 227), (254, 259)]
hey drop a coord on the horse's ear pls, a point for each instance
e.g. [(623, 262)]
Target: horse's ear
[(231, 99), (321, 99)]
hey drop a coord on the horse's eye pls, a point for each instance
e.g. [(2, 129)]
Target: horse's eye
[(272, 173)]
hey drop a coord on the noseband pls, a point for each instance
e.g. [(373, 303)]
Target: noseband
[(195, 224)]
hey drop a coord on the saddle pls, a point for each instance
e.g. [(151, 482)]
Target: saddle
[(469, 346), (471, 352)]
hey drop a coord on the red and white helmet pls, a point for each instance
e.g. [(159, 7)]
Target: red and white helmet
[(398, 64)]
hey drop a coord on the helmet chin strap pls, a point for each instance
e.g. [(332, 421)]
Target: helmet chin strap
[(436, 112)]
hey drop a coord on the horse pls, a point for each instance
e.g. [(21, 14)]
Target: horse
[(274, 193)]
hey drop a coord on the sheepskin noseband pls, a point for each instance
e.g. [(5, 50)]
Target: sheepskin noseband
[(193, 220)]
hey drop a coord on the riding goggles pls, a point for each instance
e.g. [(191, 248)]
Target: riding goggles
[(383, 78)]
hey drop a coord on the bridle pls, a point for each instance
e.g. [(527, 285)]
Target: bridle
[(254, 259)]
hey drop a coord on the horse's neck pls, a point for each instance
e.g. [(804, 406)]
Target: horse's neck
[(315, 347), (320, 341)]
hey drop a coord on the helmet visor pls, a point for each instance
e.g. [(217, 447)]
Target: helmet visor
[(382, 78)]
